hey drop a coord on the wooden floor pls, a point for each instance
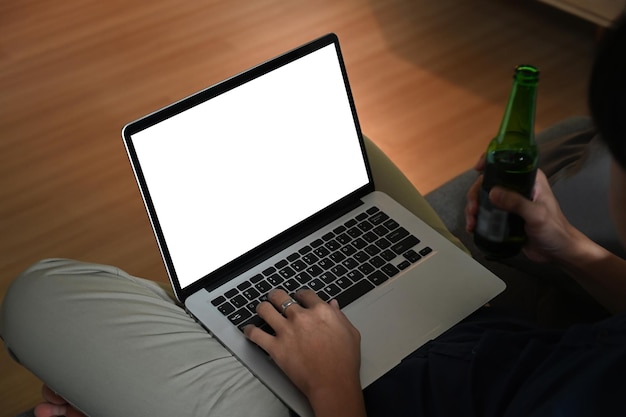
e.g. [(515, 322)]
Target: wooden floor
[(430, 80)]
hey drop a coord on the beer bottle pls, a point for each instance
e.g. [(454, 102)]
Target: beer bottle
[(511, 162)]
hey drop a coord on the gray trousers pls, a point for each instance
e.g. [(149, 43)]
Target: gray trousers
[(114, 345)]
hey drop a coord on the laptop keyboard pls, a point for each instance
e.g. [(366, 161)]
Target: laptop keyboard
[(344, 264)]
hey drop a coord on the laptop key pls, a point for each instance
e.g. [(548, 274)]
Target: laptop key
[(239, 301), (332, 290), (365, 226), (391, 224), (372, 250), (316, 285), (354, 232), (377, 261), (244, 285), (388, 255), (322, 252), (343, 283), (339, 229), (381, 230), (314, 270), (328, 277), (426, 251), (348, 250), (323, 296), (326, 263), (359, 243), (287, 272), (239, 316), (397, 235), (310, 258), (252, 306), (339, 270), (358, 289), (226, 308), (383, 243), (378, 218), (344, 238), (361, 216), (404, 265), (355, 275), (303, 277), (275, 279), (263, 287), (361, 257), (261, 324), (299, 265), (405, 244), (251, 294), (337, 257), (350, 263), (366, 268), (291, 285), (377, 277), (305, 250), (390, 270), (231, 293), (255, 279), (317, 242), (255, 320), (412, 256), (350, 223), (219, 300), (332, 245), (269, 271)]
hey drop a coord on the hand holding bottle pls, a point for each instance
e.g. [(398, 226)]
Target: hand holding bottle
[(550, 237)]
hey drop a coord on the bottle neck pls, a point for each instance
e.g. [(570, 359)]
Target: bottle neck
[(519, 115)]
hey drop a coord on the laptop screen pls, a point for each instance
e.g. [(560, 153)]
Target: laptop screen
[(232, 172)]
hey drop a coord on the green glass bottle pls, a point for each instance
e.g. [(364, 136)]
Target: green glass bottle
[(511, 162)]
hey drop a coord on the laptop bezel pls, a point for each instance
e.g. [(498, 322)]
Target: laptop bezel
[(281, 241)]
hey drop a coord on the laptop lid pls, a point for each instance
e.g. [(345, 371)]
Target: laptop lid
[(216, 205)]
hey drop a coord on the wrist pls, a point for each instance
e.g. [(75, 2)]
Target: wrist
[(578, 251), (345, 399)]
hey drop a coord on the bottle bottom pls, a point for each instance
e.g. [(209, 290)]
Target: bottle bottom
[(499, 250)]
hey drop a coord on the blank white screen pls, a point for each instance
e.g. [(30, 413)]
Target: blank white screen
[(231, 173)]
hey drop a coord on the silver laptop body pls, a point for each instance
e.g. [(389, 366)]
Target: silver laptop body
[(262, 180)]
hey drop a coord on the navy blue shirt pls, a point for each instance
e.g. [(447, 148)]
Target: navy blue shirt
[(490, 365)]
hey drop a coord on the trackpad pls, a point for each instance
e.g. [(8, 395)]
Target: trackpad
[(385, 339)]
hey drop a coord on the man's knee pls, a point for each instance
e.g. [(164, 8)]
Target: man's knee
[(41, 288)]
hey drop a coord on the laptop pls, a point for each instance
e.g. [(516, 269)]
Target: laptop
[(263, 181)]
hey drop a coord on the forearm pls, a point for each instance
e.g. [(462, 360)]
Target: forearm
[(601, 273)]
